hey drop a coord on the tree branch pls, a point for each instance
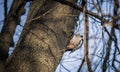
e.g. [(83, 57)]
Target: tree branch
[(80, 8), (5, 8), (104, 66), (81, 64), (86, 33)]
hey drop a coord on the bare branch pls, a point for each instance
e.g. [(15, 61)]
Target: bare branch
[(81, 64), (79, 8), (86, 33), (104, 66), (5, 8), (98, 9)]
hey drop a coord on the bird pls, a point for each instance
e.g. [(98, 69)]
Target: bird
[(75, 43)]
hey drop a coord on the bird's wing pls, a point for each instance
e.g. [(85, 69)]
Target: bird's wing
[(80, 43)]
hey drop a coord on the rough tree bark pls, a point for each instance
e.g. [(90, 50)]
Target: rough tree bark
[(47, 31), (10, 23)]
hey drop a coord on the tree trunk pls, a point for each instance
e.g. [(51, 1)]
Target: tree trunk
[(47, 31), (10, 23)]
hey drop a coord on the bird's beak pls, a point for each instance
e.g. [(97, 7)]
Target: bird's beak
[(70, 46)]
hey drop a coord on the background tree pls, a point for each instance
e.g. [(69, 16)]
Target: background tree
[(8, 29)]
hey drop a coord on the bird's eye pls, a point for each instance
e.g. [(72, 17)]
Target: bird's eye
[(81, 36)]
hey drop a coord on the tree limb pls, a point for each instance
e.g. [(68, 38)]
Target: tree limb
[(86, 33), (79, 8)]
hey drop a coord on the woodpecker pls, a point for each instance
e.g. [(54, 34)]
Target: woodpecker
[(75, 43)]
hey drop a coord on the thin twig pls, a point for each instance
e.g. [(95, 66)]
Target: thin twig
[(38, 17), (80, 8), (112, 38), (81, 64), (98, 9), (104, 66)]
